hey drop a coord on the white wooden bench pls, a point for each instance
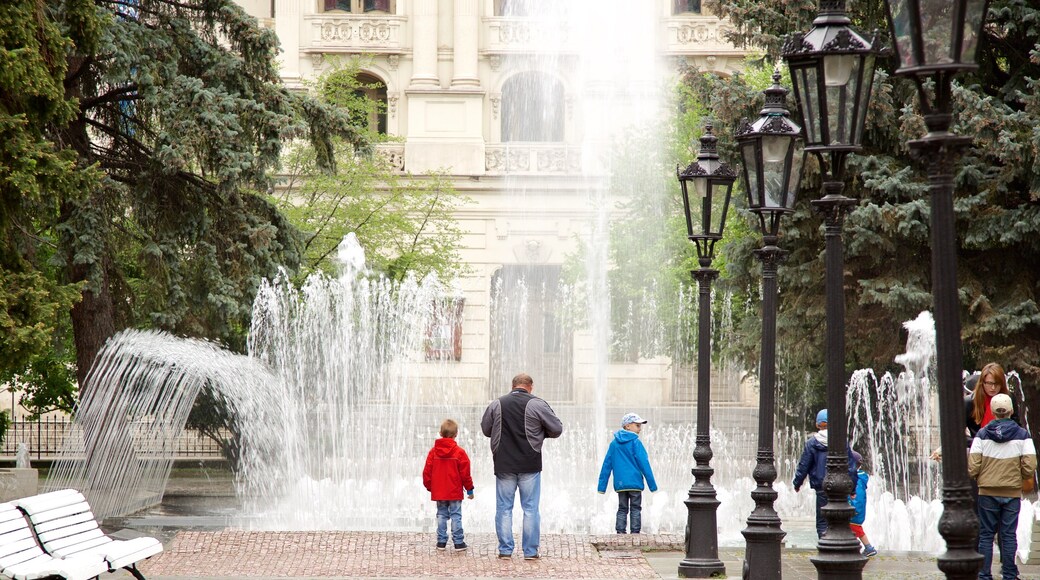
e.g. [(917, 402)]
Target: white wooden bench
[(66, 527), (21, 557)]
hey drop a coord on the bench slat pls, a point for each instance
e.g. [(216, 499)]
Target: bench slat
[(58, 512), (52, 525)]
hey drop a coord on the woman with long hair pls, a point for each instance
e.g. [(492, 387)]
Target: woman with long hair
[(991, 381)]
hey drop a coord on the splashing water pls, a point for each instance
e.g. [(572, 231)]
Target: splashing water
[(894, 423), (138, 394)]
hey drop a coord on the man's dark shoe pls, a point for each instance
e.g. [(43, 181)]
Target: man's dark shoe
[(505, 556), (531, 557), (461, 546), (442, 545)]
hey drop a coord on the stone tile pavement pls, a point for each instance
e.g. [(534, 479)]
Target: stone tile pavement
[(236, 555)]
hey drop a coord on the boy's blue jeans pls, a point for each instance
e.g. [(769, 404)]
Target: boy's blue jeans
[(453, 510), (998, 515), (630, 505), (506, 486), (821, 522)]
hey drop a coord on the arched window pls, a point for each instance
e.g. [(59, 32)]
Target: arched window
[(360, 6), (375, 90), (532, 108), (686, 6)]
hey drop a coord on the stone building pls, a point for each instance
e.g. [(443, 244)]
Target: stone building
[(460, 79)]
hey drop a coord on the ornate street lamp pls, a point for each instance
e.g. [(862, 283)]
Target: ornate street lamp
[(772, 153), (711, 182), (832, 69), (936, 39)]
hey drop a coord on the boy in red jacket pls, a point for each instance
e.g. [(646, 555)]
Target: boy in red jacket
[(445, 475)]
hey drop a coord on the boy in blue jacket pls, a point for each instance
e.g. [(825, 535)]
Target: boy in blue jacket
[(627, 460), (858, 499)]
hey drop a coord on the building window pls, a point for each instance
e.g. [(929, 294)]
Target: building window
[(374, 90), (359, 6), (686, 6), (532, 108), (513, 7), (444, 334)]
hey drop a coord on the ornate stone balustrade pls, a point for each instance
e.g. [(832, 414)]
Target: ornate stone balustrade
[(353, 33), (394, 153), (698, 35), (532, 159), (511, 35)]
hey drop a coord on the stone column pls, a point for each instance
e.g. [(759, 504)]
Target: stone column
[(288, 22), (424, 44), (465, 62)]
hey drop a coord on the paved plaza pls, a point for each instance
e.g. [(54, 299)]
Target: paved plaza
[(372, 555)]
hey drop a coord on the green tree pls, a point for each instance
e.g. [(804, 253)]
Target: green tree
[(405, 223), (35, 175), (888, 272), (178, 113)]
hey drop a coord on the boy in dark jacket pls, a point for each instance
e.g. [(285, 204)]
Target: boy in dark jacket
[(1002, 456), (445, 475), (627, 459), (813, 464)]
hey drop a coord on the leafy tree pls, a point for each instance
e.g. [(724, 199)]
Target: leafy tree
[(405, 223), (888, 271), (171, 115)]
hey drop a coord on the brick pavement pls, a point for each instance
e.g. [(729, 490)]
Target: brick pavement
[(324, 554), (242, 555)]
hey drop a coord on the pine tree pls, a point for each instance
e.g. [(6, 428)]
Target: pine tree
[(179, 108), (887, 277)]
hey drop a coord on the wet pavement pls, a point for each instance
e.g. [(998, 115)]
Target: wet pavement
[(382, 555), (195, 523)]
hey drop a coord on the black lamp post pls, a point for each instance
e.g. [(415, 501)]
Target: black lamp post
[(832, 69), (772, 153), (936, 39), (712, 183)]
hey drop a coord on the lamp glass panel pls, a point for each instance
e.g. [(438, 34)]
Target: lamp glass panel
[(900, 17), (774, 148), (720, 192), (748, 152), (838, 69), (837, 99), (808, 102), (774, 181), (974, 13), (794, 178), (937, 31), (684, 184), (701, 203), (868, 85)]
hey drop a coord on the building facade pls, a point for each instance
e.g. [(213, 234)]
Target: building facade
[(482, 89)]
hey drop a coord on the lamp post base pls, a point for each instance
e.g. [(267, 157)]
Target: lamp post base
[(702, 543), (762, 558), (701, 568)]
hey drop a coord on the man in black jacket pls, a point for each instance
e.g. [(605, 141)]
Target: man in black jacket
[(518, 424)]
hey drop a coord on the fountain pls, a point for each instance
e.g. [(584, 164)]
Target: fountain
[(338, 400)]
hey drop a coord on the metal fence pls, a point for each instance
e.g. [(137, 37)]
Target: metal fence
[(47, 437)]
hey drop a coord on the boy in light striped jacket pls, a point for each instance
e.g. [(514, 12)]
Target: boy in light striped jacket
[(1002, 456)]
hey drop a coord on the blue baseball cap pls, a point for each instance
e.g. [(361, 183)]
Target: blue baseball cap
[(821, 417)]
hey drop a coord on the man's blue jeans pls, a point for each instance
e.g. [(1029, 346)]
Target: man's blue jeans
[(998, 515), (506, 486), (453, 510)]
